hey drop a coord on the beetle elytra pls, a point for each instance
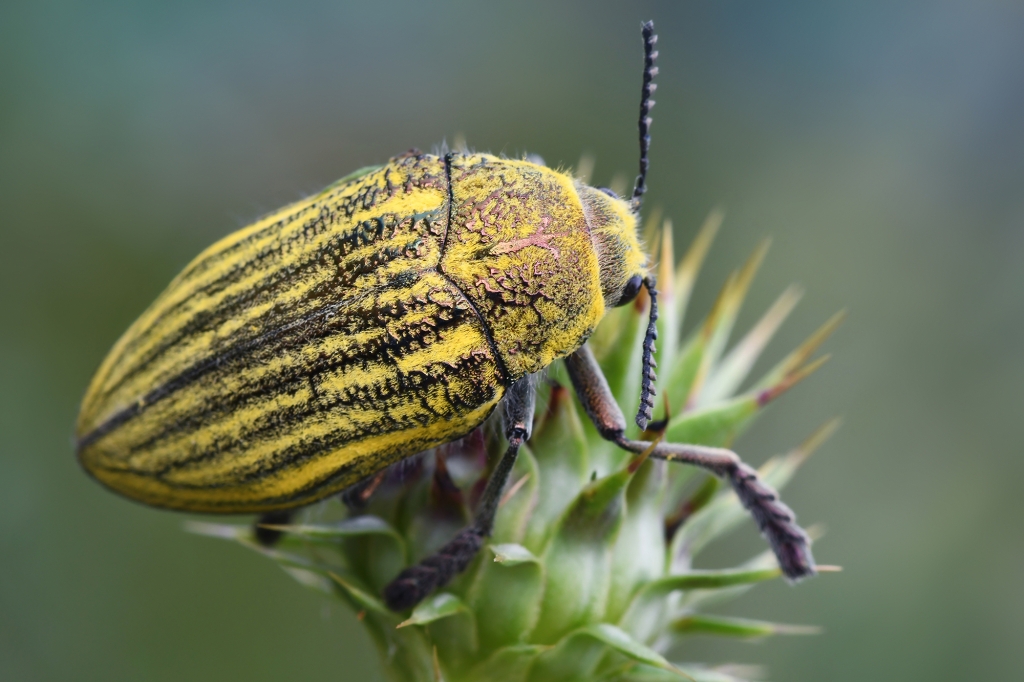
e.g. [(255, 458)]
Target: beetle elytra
[(386, 315)]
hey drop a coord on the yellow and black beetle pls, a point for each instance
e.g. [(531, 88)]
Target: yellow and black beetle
[(388, 314)]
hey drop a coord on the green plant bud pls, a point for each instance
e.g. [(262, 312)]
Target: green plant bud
[(579, 559), (588, 573), (513, 585)]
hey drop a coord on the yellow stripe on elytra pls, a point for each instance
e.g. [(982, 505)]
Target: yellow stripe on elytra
[(400, 364), (457, 343), (446, 348), (158, 324), (371, 454), (231, 429), (205, 394), (231, 463)]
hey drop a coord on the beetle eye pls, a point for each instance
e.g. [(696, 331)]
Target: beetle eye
[(608, 191), (630, 291)]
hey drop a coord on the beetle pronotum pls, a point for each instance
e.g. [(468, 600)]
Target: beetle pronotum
[(386, 315)]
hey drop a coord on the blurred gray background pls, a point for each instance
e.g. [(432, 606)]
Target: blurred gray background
[(880, 144)]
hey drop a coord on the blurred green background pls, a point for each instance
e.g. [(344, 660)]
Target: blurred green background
[(881, 146)]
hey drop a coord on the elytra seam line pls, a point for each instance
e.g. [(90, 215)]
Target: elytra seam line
[(498, 360)]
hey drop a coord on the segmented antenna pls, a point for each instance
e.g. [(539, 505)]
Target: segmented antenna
[(647, 392), (646, 104), (643, 414)]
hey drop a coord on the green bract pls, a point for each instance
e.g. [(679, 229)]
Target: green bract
[(588, 574)]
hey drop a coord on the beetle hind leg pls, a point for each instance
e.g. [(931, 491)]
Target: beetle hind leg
[(413, 584), (358, 496), (775, 519), (268, 537)]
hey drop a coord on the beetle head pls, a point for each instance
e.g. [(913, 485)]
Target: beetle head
[(623, 263), (613, 228)]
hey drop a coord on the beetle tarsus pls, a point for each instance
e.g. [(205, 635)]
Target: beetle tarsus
[(774, 518), (776, 521), (414, 583)]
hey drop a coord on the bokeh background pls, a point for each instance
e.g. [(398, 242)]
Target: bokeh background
[(880, 144)]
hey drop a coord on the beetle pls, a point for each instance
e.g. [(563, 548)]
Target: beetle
[(388, 314)]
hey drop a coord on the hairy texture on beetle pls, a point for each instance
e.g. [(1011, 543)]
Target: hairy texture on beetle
[(384, 316), (613, 231), (520, 249), (265, 276), (355, 379), (331, 341)]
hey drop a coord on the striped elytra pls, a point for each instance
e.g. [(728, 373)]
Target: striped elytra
[(381, 317)]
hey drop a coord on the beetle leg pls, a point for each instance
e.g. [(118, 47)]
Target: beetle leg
[(593, 391), (268, 537), (358, 496), (416, 582), (776, 520)]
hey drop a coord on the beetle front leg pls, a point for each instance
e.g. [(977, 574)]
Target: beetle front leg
[(776, 520), (414, 583)]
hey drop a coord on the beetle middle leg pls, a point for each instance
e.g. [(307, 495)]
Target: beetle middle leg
[(776, 520), (416, 582)]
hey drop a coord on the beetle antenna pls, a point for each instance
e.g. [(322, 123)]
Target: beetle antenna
[(646, 104), (647, 392)]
